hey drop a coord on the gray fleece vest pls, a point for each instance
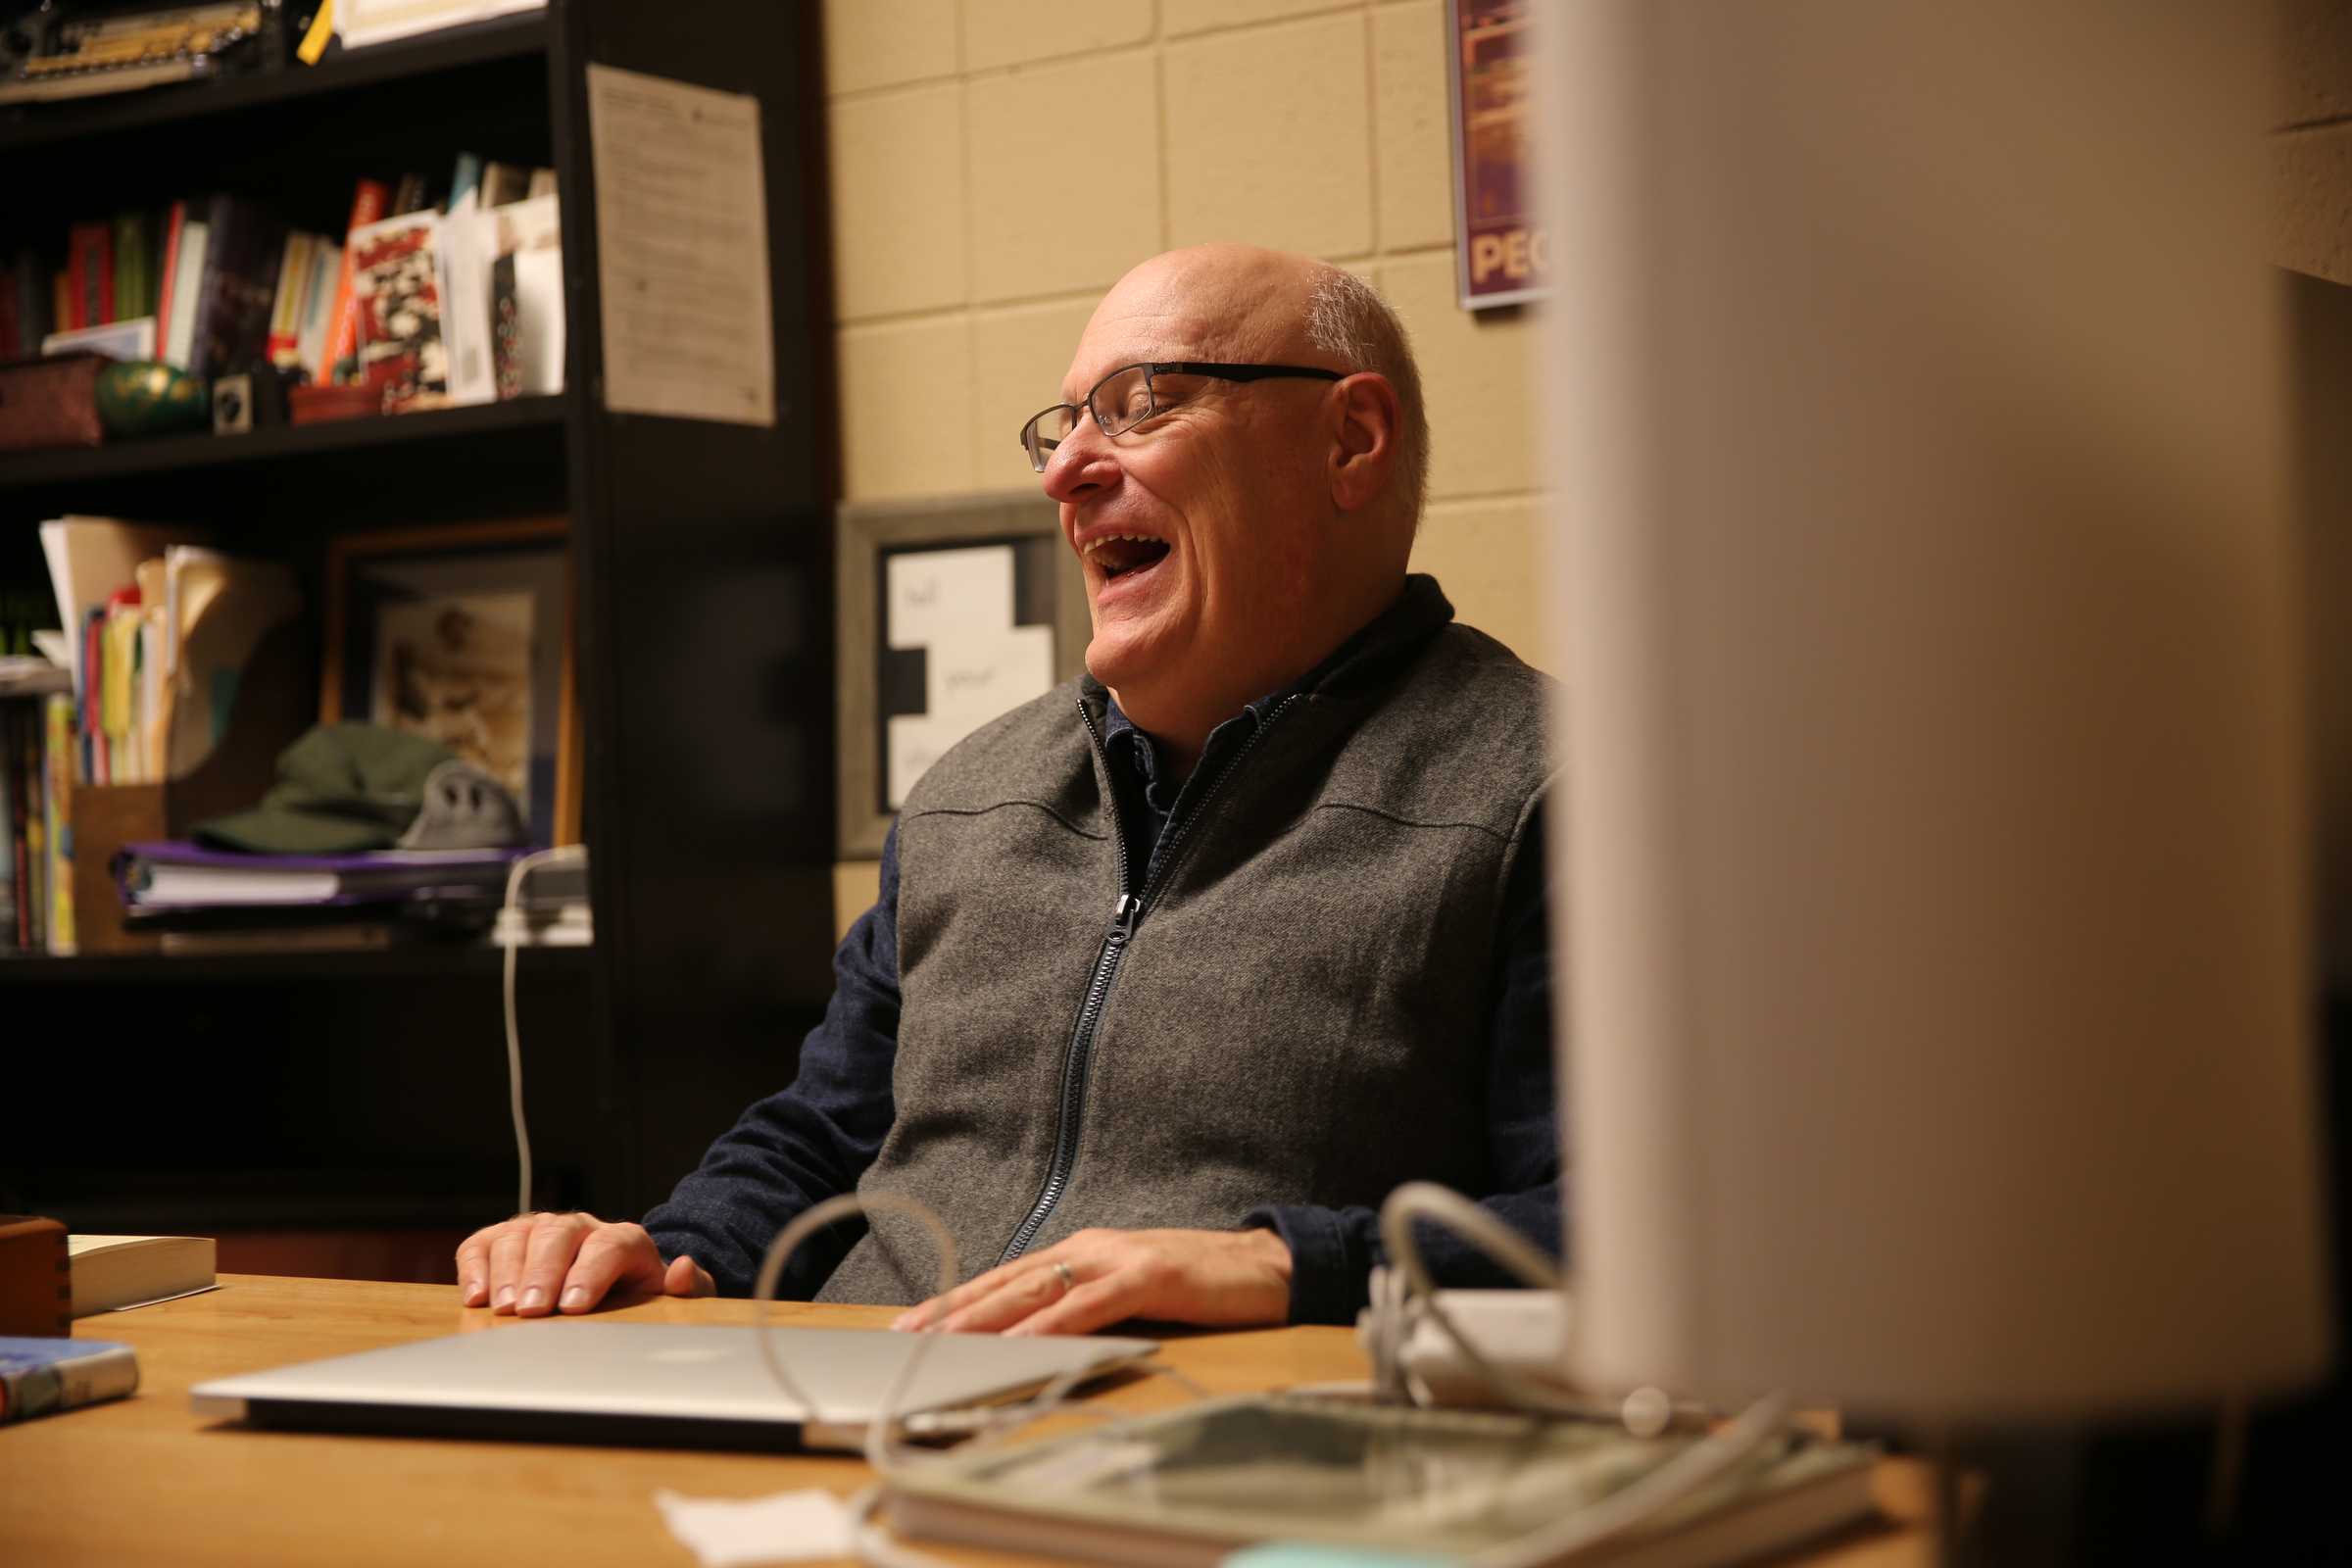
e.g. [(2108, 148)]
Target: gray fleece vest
[(1299, 1014)]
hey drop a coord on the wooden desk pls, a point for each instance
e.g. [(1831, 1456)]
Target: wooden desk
[(144, 1480)]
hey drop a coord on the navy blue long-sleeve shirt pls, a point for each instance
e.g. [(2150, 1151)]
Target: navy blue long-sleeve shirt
[(816, 1138)]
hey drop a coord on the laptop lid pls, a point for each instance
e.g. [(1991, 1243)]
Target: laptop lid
[(649, 1384)]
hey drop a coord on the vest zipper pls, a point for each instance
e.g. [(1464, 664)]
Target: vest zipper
[(1126, 915)]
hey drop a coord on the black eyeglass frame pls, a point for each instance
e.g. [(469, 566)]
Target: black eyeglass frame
[(1039, 447)]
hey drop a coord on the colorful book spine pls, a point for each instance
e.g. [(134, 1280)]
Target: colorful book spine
[(32, 830), (89, 730), (318, 317), (38, 1377), (90, 254), (57, 815), (368, 204), (32, 299), (175, 222), (465, 178), (78, 276), (12, 873), (286, 300), (15, 751), (128, 293)]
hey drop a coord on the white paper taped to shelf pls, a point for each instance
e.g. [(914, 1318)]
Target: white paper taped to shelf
[(681, 235)]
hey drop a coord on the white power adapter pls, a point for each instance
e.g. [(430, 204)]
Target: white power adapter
[(1522, 1339), (1522, 1335)]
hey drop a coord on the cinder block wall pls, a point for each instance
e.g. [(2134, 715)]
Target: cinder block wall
[(996, 164), (2310, 139)]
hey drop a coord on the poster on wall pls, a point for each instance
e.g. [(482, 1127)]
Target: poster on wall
[(951, 610), (1502, 254)]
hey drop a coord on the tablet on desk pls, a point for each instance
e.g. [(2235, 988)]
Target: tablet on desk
[(649, 1384)]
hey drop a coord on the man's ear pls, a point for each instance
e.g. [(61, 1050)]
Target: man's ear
[(1364, 451)]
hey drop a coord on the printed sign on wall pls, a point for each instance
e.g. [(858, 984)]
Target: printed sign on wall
[(1503, 252)]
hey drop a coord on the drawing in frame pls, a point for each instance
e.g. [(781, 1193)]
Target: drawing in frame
[(950, 612), (1501, 249), (464, 633)]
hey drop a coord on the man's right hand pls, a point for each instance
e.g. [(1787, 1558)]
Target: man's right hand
[(534, 1264)]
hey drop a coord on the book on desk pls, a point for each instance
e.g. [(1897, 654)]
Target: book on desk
[(42, 1376), (1190, 1485)]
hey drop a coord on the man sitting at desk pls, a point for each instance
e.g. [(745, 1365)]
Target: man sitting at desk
[(1177, 971)]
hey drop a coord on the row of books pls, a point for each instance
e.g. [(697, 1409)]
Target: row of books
[(162, 626), (418, 295), (36, 883)]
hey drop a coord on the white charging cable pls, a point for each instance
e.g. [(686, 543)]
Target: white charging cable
[(561, 855), (1661, 1488), (873, 1545), (1444, 1206)]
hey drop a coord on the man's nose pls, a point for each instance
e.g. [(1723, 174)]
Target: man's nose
[(1082, 464)]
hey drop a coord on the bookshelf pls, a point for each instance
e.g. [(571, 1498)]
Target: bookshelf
[(524, 36), (437, 436), (306, 1089)]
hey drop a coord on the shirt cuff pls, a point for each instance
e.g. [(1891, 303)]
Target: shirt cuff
[(1332, 1254)]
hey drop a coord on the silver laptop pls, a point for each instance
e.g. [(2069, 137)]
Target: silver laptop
[(653, 1384)]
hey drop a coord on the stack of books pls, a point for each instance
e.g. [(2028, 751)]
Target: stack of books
[(212, 900)]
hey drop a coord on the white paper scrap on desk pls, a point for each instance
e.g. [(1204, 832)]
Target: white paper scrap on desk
[(733, 1533), (681, 235)]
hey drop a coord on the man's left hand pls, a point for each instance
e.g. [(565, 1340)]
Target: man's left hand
[(1223, 1279)]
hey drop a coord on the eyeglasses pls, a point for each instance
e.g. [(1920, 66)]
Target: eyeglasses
[(1131, 394)]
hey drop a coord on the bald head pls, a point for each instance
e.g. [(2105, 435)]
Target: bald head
[(1264, 306)]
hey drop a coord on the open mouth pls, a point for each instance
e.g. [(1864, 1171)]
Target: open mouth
[(1118, 554)]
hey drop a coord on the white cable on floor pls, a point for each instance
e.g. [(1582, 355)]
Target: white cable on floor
[(562, 854)]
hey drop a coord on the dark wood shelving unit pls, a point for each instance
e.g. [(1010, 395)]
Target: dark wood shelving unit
[(27, 126), (414, 433), (709, 752), (422, 961)]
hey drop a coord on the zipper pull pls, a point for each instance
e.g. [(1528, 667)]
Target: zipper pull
[(1130, 908)]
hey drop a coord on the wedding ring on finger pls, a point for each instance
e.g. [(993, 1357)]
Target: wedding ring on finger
[(1061, 1272)]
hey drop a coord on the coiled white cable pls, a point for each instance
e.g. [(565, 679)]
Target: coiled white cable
[(1678, 1478), (882, 1453)]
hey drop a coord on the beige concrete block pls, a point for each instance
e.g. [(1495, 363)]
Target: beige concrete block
[(1268, 137), (1180, 17), (857, 888), (2314, 80), (1489, 556), (897, 202), (2311, 201), (903, 387), (1066, 175), (1411, 122), (1475, 369), (1018, 357), (1013, 32), (882, 44)]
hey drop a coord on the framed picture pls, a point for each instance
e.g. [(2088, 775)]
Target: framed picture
[(949, 613), (1501, 252), (465, 634)]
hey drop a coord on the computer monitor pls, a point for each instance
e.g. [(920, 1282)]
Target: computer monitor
[(1937, 863)]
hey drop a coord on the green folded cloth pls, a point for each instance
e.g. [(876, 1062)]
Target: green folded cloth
[(341, 789)]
